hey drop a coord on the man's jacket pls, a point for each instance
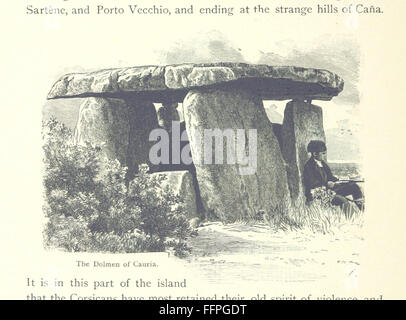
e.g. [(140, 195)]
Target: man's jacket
[(315, 176)]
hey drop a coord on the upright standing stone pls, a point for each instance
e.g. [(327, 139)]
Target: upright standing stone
[(120, 127), (166, 114), (277, 130), (302, 123), (224, 191), (169, 119), (105, 123)]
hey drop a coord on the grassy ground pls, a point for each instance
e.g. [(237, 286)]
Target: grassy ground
[(323, 245)]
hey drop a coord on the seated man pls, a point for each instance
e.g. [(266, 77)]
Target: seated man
[(318, 174)]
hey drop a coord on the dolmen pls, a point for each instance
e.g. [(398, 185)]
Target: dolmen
[(226, 159)]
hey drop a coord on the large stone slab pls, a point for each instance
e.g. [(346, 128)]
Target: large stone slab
[(224, 191), (157, 83), (302, 123), (120, 127), (181, 183)]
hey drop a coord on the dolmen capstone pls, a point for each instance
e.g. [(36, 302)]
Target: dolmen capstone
[(119, 111)]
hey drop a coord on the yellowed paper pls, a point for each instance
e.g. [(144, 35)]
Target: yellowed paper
[(247, 262)]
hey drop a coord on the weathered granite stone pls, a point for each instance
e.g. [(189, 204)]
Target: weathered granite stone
[(181, 183), (120, 127), (109, 81), (224, 191), (159, 82), (105, 123), (166, 114), (277, 131), (302, 123)]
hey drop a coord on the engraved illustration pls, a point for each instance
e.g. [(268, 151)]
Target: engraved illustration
[(237, 167)]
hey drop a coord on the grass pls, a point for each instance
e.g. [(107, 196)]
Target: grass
[(315, 218), (321, 219)]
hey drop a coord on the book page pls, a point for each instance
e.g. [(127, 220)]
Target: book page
[(186, 150)]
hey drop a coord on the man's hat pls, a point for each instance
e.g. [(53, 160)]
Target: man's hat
[(316, 146)]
